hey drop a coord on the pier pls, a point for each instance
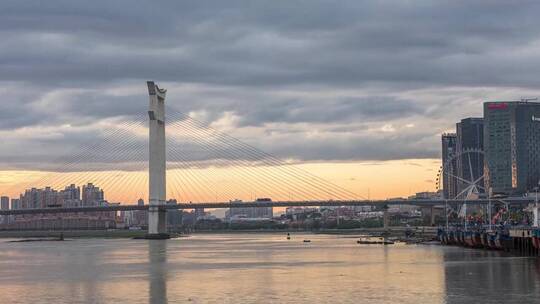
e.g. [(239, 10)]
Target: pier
[(521, 241)]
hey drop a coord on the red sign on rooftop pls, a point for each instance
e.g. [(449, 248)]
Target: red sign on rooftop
[(498, 105)]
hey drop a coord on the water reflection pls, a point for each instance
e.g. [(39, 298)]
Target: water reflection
[(260, 268), (157, 257), (473, 276)]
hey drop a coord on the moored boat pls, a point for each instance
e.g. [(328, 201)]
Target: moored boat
[(379, 241), (467, 238), (484, 239), (507, 242), (491, 241), (477, 239), (452, 237), (499, 240), (461, 238), (442, 236), (536, 238)]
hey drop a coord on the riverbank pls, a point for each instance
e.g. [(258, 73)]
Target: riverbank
[(73, 234)]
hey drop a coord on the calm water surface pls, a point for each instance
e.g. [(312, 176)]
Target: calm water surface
[(260, 268)]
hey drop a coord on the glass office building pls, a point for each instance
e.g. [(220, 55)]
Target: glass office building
[(512, 146), (469, 145), (449, 182)]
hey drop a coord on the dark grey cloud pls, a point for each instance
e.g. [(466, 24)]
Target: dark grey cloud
[(330, 111), (310, 80), (259, 43)]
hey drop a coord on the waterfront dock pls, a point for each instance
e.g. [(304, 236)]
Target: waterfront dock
[(522, 241)]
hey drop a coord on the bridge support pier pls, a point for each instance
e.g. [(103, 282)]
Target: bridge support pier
[(157, 217), (157, 223), (386, 218)]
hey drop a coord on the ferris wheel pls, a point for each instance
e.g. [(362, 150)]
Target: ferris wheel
[(468, 185)]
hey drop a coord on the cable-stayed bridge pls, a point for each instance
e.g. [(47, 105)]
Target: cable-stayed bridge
[(181, 157)]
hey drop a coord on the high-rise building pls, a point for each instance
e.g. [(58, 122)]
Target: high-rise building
[(250, 212), (29, 199), (4, 203), (512, 145), (91, 195), (264, 212), (174, 216), (449, 181), (71, 192), (48, 197), (15, 203), (40, 198), (469, 148), (199, 213)]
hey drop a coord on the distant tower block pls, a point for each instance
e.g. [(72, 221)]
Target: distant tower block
[(157, 218)]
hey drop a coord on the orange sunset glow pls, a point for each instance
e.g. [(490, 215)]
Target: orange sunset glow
[(378, 180)]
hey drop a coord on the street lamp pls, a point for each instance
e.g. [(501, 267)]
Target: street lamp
[(490, 193), (446, 213), (535, 224)]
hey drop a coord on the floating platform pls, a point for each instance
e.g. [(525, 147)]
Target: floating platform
[(38, 240), (157, 236), (380, 241)]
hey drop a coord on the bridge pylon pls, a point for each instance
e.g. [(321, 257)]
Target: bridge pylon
[(157, 216)]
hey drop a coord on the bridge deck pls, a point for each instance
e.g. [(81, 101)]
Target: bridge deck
[(221, 205)]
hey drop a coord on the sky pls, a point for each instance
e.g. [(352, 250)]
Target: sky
[(357, 92)]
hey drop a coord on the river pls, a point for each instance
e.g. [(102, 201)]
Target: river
[(260, 268)]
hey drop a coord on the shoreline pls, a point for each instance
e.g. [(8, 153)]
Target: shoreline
[(394, 231)]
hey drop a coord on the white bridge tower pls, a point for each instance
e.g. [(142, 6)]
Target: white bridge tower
[(157, 217)]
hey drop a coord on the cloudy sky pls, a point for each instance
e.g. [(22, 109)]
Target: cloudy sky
[(358, 82)]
